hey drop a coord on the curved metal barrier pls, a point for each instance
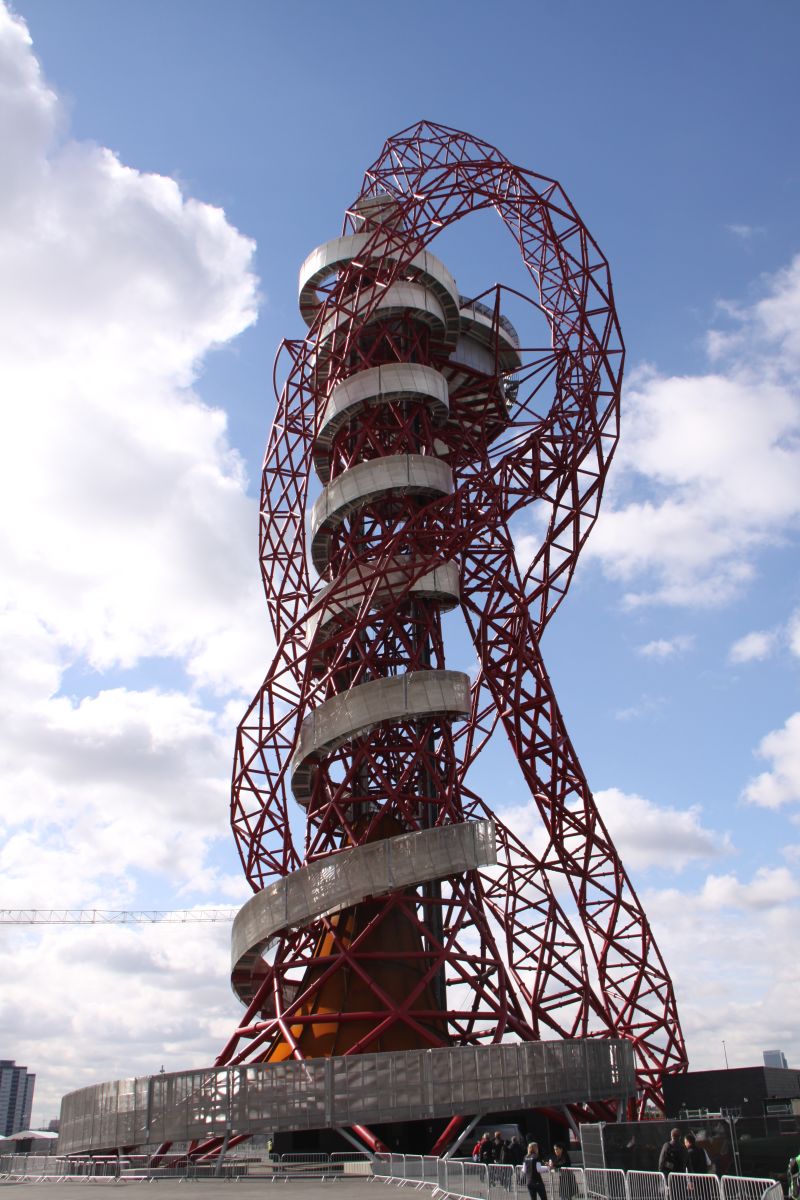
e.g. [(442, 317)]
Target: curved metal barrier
[(344, 879), (329, 258), (345, 1090), (416, 694), (646, 1185), (380, 478), (457, 1178), (682, 1186), (384, 384), (340, 598)]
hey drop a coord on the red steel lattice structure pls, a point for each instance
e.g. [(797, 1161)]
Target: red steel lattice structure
[(430, 429)]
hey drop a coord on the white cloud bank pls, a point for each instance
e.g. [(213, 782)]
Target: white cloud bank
[(127, 533), (127, 530), (781, 784), (646, 835), (753, 647), (708, 470), (663, 648), (728, 947)]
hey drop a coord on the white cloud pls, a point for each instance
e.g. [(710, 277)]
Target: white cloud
[(101, 790), (708, 467), (132, 533), (781, 784), (793, 633), (129, 1000), (663, 648), (646, 706), (641, 831), (777, 314), (647, 835), (768, 887), (712, 939), (127, 534), (745, 232), (753, 647)]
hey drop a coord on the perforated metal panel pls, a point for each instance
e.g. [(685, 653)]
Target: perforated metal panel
[(356, 1089)]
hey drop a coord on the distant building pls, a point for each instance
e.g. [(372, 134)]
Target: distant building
[(775, 1058), (741, 1091), (53, 1124), (16, 1097)]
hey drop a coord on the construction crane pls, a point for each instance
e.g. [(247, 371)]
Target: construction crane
[(108, 916)]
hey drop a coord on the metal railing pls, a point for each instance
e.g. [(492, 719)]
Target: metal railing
[(174, 1165), (343, 1090), (475, 1181), (646, 1185), (459, 1179)]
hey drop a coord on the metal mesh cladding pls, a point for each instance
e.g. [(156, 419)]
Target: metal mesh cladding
[(345, 1090)]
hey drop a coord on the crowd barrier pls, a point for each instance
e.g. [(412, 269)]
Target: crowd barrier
[(473, 1181), (447, 1178), (237, 1164)]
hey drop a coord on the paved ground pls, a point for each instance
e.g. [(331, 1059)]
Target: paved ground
[(207, 1189)]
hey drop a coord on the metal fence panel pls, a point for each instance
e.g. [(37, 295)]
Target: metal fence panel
[(733, 1187), (568, 1182), (593, 1146), (502, 1182), (473, 1181), (476, 1180), (693, 1187), (381, 1165), (646, 1185), (605, 1184)]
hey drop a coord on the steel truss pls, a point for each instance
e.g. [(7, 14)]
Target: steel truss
[(542, 944)]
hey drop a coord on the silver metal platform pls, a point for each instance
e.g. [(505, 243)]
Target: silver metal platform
[(380, 478), (415, 695), (344, 879), (363, 1089)]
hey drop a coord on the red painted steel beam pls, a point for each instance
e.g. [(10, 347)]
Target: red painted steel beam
[(552, 940)]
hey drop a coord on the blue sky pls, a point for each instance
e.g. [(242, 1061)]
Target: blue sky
[(140, 318)]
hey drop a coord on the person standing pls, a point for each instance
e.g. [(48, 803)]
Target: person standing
[(793, 1177), (558, 1159), (696, 1160), (672, 1156), (486, 1150), (499, 1148), (534, 1169), (514, 1152)]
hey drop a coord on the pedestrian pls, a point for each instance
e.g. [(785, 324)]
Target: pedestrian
[(560, 1157), (498, 1147), (514, 1151), (486, 1150), (703, 1145), (476, 1149), (793, 1177), (558, 1160), (672, 1156), (534, 1170), (695, 1158)]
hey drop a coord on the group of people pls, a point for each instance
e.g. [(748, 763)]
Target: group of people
[(683, 1154), (490, 1150), (495, 1150)]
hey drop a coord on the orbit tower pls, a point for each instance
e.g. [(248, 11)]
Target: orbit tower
[(412, 428)]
